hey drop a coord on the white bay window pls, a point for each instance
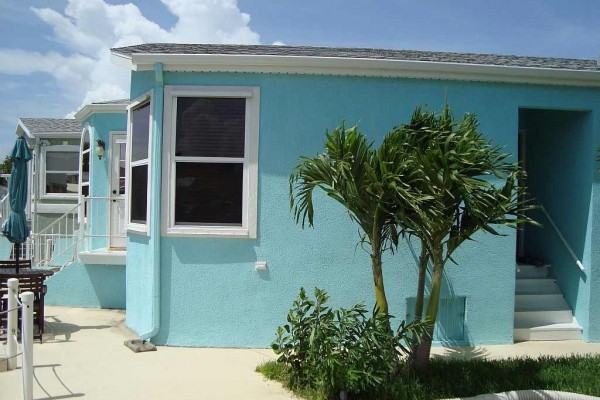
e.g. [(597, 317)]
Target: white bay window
[(210, 171), (138, 156)]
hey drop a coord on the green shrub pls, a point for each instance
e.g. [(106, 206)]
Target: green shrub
[(334, 351)]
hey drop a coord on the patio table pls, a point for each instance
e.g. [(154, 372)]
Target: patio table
[(12, 272)]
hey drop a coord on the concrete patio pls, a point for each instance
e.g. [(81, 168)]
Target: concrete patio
[(83, 356)]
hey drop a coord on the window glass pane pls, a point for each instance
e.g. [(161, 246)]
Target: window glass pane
[(140, 132), (85, 167), (85, 192), (210, 127), (62, 183), (139, 193), (122, 168), (62, 161), (86, 139), (209, 194), (122, 152)]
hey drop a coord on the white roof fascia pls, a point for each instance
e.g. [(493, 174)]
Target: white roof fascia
[(359, 67), (122, 60), (21, 127), (90, 109)]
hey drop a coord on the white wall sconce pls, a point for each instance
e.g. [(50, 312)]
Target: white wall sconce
[(100, 147)]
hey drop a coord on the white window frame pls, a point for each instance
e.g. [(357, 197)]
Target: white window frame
[(250, 162), (58, 148), (82, 216), (82, 152), (134, 226)]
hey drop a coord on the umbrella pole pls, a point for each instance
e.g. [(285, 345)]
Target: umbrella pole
[(17, 251)]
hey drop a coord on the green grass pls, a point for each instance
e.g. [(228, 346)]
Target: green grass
[(458, 378)]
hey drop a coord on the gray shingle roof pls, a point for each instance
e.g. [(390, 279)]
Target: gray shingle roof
[(343, 52), (44, 125), (118, 101)]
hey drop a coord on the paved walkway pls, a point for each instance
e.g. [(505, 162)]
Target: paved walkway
[(84, 356)]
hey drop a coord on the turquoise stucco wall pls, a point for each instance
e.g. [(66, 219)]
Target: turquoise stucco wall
[(94, 285), (139, 283), (101, 125), (86, 285), (210, 293), (561, 168)]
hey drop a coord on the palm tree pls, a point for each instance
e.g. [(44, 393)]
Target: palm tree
[(373, 185), (469, 185)]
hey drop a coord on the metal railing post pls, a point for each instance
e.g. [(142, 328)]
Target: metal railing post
[(11, 337), (27, 344)]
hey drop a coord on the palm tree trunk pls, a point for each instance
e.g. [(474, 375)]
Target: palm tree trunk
[(424, 350), (420, 299), (380, 298)]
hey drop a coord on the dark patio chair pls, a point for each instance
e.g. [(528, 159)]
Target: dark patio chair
[(30, 282)]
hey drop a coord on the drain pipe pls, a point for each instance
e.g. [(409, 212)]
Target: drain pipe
[(155, 193), (531, 395)]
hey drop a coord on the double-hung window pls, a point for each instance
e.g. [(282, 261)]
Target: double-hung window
[(60, 178), (210, 173), (138, 148)]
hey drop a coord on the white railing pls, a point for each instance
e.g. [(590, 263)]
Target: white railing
[(562, 239), (4, 208), (97, 222), (85, 227), (4, 203), (13, 306), (57, 239)]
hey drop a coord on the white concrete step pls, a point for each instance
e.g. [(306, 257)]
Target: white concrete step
[(545, 317), (540, 302), (536, 286), (531, 271), (564, 331)]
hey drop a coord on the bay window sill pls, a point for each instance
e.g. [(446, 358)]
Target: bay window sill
[(138, 229), (211, 232)]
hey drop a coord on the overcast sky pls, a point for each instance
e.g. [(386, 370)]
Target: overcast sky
[(54, 54)]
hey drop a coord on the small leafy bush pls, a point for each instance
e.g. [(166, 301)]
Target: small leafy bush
[(340, 351)]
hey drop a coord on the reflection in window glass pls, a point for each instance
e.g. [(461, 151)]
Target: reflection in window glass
[(140, 132), (122, 165), (62, 161), (67, 183), (210, 127), (209, 194), (85, 167), (139, 193), (86, 139)]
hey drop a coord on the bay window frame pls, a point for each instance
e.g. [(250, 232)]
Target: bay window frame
[(146, 98), (248, 228)]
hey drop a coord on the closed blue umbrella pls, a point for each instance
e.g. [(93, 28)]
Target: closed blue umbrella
[(15, 227)]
